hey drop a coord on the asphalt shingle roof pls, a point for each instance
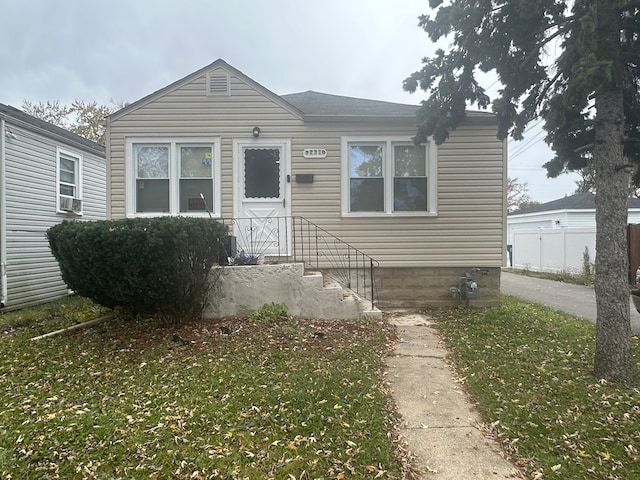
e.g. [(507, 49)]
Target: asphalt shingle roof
[(310, 105), (323, 104)]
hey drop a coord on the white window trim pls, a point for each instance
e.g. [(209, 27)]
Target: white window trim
[(174, 175), (78, 162), (432, 176)]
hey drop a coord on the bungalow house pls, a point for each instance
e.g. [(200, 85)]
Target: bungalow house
[(47, 175), (218, 143), (555, 236)]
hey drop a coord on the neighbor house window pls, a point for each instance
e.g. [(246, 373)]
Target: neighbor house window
[(69, 177), (384, 176), (174, 176)]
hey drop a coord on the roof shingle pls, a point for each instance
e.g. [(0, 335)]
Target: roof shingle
[(323, 104)]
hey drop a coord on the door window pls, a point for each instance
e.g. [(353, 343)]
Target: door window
[(262, 173)]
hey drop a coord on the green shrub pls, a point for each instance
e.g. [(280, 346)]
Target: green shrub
[(144, 265), (269, 314)]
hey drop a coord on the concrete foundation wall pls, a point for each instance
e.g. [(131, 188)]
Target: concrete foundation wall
[(415, 287), (237, 291)]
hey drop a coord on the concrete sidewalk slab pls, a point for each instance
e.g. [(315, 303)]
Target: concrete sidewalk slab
[(438, 421)]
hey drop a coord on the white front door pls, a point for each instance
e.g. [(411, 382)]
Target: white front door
[(262, 191)]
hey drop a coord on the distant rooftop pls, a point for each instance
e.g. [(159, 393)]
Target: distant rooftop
[(578, 201)]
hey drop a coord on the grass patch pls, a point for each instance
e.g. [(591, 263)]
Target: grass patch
[(529, 368), (234, 399), (51, 316)]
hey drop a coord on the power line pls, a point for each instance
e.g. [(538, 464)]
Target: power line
[(526, 145)]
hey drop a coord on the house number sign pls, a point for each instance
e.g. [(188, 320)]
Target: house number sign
[(314, 153)]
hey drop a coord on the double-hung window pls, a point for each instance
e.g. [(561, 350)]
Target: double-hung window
[(196, 177), (410, 181), (152, 177), (388, 176), (69, 175), (173, 176), (366, 178)]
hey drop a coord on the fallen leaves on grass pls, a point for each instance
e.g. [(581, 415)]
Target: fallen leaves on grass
[(128, 400)]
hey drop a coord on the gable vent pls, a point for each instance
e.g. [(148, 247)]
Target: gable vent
[(218, 83)]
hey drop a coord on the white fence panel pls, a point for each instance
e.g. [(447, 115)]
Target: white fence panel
[(526, 249), (553, 249)]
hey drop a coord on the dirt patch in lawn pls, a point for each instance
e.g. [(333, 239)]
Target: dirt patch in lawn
[(217, 334), (292, 333)]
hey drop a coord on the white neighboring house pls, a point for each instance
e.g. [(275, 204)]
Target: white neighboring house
[(47, 175), (553, 236)]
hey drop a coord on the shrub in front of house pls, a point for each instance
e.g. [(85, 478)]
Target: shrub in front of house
[(147, 266)]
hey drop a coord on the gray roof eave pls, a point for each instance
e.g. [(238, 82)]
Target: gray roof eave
[(578, 202), (53, 131), (178, 83), (551, 212), (563, 210)]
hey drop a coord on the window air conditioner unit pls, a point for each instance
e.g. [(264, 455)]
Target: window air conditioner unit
[(76, 205), (68, 204)]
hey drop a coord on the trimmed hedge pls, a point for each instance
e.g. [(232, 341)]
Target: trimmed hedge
[(158, 266)]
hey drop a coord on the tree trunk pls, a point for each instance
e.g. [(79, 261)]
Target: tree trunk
[(613, 358)]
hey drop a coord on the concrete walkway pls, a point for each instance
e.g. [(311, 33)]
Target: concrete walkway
[(439, 424)]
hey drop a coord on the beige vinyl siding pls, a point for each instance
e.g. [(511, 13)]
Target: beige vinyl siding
[(188, 112), (467, 231), (94, 187), (469, 226), (116, 173)]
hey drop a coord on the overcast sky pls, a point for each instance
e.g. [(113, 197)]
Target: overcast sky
[(123, 50)]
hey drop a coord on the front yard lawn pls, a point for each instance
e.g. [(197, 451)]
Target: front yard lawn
[(289, 399), (233, 399), (529, 368)]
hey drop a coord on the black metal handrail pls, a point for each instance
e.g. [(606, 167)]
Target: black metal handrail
[(321, 250), (283, 239)]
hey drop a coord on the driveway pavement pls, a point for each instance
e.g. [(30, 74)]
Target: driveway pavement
[(576, 299)]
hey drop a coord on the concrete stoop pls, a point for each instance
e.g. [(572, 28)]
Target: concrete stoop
[(368, 310), (239, 290)]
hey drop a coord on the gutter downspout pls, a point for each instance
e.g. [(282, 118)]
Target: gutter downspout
[(3, 218), (107, 161), (507, 258)]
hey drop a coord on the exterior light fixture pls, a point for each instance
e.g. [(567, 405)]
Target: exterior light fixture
[(256, 132)]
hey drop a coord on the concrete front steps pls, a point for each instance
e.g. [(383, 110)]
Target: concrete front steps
[(239, 290)]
